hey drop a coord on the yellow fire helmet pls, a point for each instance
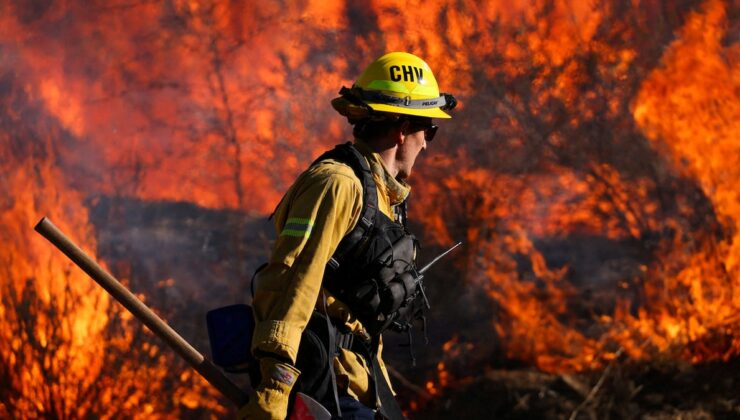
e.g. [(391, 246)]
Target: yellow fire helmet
[(396, 83)]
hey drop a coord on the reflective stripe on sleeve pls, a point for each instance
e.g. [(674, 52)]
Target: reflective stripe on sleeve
[(297, 227)]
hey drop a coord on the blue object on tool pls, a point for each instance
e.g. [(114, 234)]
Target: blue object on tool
[(230, 332)]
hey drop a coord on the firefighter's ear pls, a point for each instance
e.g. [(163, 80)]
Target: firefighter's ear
[(401, 131)]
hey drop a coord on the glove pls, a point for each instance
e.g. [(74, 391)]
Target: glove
[(270, 399)]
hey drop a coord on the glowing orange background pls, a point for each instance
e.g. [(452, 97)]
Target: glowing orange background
[(616, 120)]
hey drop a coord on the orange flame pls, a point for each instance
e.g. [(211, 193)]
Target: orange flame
[(67, 350), (690, 107), (221, 104), (687, 306)]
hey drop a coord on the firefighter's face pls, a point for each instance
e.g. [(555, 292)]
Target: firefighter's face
[(416, 132)]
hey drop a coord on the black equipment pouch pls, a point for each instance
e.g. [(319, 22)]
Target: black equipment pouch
[(382, 296)]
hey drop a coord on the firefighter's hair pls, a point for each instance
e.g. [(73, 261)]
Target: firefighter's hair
[(369, 129)]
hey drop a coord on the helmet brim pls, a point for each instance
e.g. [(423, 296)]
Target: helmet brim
[(429, 112)]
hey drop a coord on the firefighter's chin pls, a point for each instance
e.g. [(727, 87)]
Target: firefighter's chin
[(403, 174)]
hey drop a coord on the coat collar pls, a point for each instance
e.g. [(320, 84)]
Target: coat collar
[(396, 190)]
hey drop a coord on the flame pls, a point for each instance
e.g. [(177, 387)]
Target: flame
[(566, 133), (690, 107), (453, 351), (681, 304), (67, 350), (63, 337)]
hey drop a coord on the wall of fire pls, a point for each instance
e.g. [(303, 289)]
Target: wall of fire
[(592, 171)]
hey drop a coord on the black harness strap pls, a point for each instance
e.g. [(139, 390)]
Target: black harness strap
[(332, 331), (349, 154), (389, 407)]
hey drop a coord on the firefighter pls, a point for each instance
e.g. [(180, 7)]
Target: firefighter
[(317, 266)]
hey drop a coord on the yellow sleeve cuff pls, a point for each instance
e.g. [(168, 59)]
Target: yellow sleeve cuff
[(277, 337)]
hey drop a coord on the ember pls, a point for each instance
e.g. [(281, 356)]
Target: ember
[(592, 171)]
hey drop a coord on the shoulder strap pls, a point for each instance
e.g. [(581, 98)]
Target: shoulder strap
[(348, 154), (389, 407)]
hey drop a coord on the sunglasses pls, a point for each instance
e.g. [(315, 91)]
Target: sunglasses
[(429, 129)]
